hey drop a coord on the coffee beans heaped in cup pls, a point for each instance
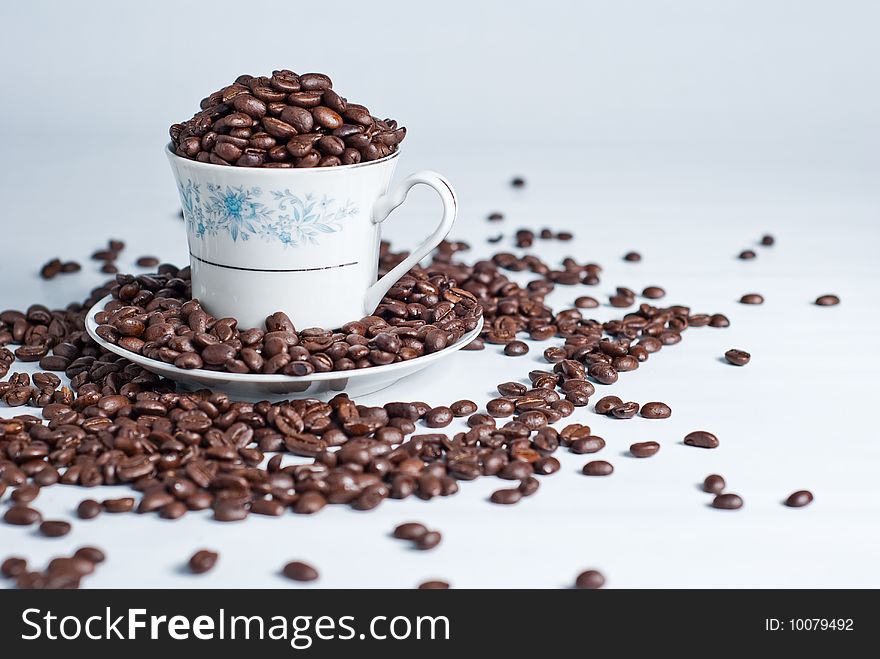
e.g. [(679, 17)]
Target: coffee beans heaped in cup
[(284, 120)]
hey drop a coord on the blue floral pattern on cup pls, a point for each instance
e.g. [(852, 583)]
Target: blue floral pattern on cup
[(245, 213)]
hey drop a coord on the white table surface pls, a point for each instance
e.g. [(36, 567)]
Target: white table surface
[(799, 416)]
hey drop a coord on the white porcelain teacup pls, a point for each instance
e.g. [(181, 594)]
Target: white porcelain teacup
[(302, 241)]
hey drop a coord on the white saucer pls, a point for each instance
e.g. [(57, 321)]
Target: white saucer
[(254, 387)]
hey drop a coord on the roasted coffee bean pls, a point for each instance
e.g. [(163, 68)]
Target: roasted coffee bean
[(701, 439), (299, 571), (714, 484), (768, 240), (632, 256), (147, 262), (463, 408), (727, 502), (644, 449), (827, 300), (607, 403), (19, 515), (25, 494), (653, 292), (518, 182), (589, 580), (719, 320), (500, 407), (51, 269), (427, 540), (409, 531), (747, 254), (625, 410), (506, 496), (586, 302), (230, 511), (120, 505), (752, 298), (88, 509), (799, 499), (516, 348), (434, 585), (91, 554), (203, 561), (588, 444), (603, 373), (54, 529), (656, 410), (13, 567), (438, 417), (598, 468), (737, 357)]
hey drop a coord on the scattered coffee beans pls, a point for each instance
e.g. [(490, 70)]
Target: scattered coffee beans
[(799, 499), (737, 357), (410, 531), (284, 120)]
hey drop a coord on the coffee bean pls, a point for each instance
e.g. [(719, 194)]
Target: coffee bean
[(438, 417), (589, 580), (51, 269), (463, 408), (621, 301), (147, 262), (603, 373), (434, 585), (719, 320), (409, 531), (644, 449), (500, 407), (747, 254), (827, 300), (516, 348), (607, 403), (714, 484), (13, 567), (19, 515), (518, 182), (752, 298), (701, 439), (88, 509), (203, 561), (428, 540), (737, 357), (625, 410), (529, 486), (727, 502), (799, 499), (598, 468), (656, 410), (299, 571), (586, 302), (54, 529), (653, 292), (120, 505), (632, 257), (24, 494), (589, 444), (91, 554), (506, 496), (768, 240)]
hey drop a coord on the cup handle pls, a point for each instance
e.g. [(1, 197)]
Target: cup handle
[(382, 209)]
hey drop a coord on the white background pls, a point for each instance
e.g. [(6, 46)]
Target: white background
[(684, 130)]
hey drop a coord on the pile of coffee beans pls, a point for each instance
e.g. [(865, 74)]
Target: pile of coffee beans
[(284, 120), (154, 316)]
